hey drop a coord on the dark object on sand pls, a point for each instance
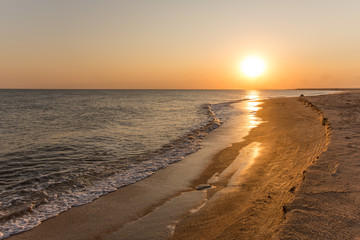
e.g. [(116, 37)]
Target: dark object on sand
[(203, 186)]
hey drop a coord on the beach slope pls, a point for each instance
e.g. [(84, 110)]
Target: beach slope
[(295, 176), (327, 203), (251, 204)]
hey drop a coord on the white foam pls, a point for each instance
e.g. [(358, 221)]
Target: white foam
[(134, 174)]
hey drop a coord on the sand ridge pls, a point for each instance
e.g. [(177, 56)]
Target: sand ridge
[(291, 138), (289, 188), (327, 203)]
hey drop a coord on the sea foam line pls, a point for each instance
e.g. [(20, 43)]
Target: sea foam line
[(189, 143)]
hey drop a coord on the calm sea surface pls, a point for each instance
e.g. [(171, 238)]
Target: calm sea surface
[(62, 148)]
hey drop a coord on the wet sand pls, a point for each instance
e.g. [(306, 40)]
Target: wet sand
[(148, 209), (249, 204), (275, 183)]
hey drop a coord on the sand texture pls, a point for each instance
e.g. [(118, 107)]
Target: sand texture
[(249, 204), (148, 209), (327, 204), (295, 176)]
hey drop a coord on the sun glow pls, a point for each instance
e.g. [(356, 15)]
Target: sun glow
[(253, 66)]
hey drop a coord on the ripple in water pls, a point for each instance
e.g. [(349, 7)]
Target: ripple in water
[(63, 148)]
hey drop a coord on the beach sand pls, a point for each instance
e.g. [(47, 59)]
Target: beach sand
[(327, 204), (291, 178), (251, 206)]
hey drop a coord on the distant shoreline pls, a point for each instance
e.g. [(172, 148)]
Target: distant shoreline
[(329, 89), (181, 89)]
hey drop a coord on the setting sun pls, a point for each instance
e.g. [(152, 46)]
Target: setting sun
[(252, 66)]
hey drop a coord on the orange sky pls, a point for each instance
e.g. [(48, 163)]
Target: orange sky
[(178, 44)]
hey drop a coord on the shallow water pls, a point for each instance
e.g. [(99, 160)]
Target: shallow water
[(62, 148)]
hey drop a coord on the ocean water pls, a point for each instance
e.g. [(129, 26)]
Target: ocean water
[(63, 148)]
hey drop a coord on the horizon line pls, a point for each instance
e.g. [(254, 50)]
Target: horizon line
[(182, 89)]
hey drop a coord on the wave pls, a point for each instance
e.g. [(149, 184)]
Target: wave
[(81, 189)]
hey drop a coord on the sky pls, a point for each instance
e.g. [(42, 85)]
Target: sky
[(187, 44)]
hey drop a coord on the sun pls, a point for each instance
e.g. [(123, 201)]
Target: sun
[(253, 66)]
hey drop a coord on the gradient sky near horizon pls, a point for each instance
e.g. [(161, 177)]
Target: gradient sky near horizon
[(187, 44)]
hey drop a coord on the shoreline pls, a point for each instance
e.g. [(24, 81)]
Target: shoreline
[(249, 203), (106, 216), (259, 185)]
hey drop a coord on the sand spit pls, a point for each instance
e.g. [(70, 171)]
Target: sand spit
[(252, 204), (327, 204)]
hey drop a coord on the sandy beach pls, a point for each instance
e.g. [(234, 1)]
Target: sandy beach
[(191, 120), (292, 177), (326, 205), (251, 206)]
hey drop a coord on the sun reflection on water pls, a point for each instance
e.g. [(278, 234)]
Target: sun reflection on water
[(253, 106), (252, 94)]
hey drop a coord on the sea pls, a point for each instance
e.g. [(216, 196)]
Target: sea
[(64, 148)]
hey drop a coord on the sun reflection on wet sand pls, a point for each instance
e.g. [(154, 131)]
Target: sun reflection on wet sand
[(253, 106), (239, 166), (253, 119), (247, 155), (234, 173), (245, 159)]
